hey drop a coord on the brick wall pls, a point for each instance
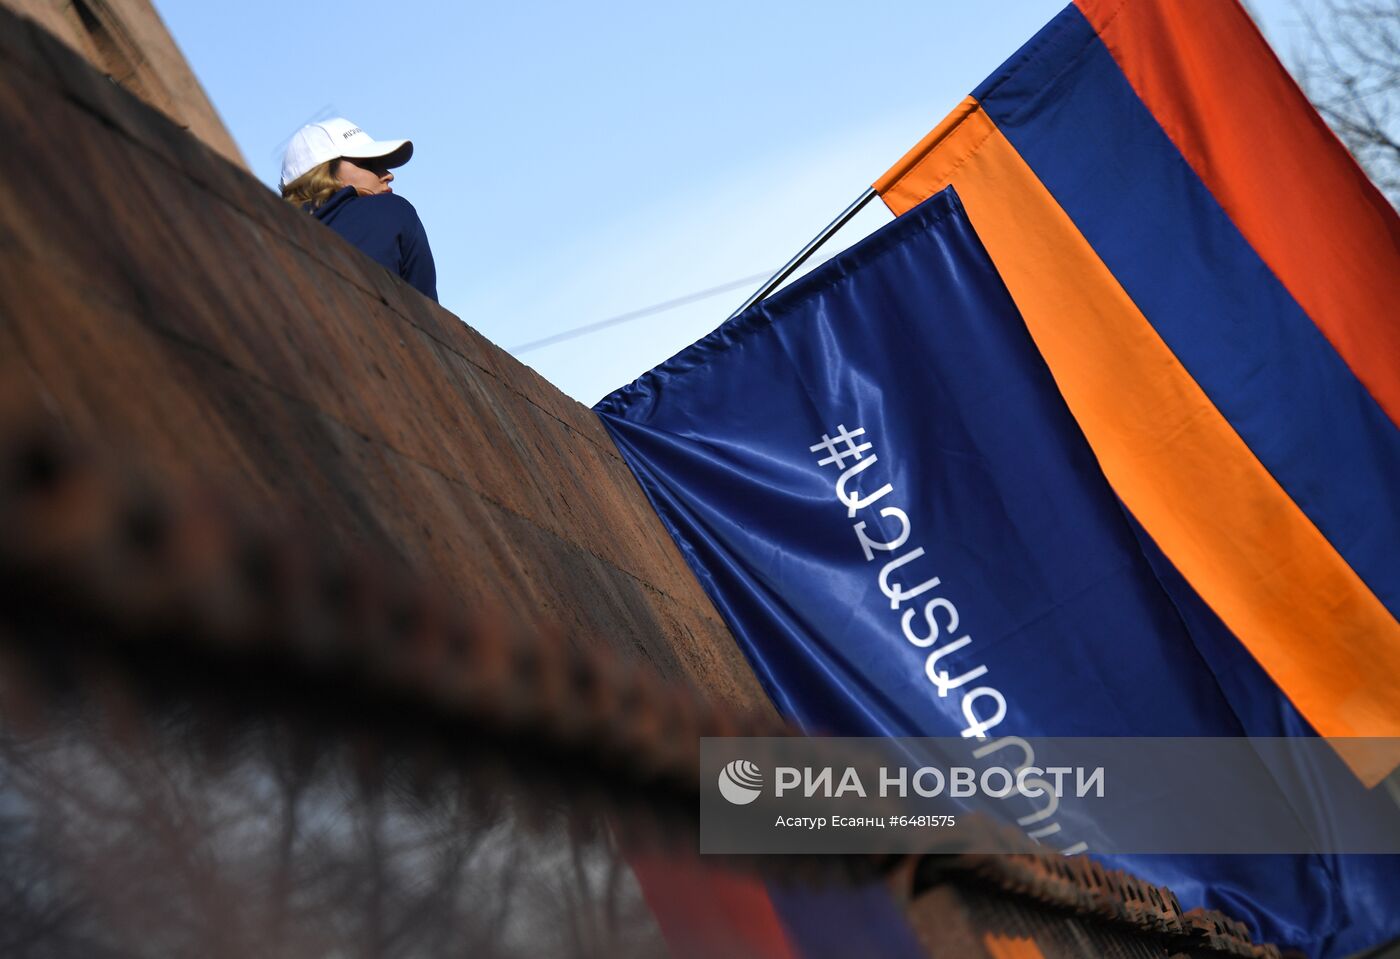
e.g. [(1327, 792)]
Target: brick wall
[(160, 301)]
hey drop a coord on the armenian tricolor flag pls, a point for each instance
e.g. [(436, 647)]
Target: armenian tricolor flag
[(1215, 286), (1104, 425)]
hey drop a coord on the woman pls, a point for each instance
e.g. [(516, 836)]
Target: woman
[(340, 175)]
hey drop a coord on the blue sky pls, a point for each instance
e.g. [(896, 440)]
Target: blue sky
[(579, 161)]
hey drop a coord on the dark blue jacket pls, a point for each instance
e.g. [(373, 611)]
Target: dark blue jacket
[(386, 227)]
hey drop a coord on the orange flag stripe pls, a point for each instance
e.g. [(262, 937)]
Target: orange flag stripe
[(1170, 455), (704, 911), (1001, 946), (1262, 151)]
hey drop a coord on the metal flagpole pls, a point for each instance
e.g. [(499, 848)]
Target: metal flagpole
[(802, 255)]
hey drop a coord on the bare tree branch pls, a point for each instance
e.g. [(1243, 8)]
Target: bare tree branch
[(1350, 70)]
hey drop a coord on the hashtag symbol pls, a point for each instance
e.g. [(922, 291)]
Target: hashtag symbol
[(839, 456)]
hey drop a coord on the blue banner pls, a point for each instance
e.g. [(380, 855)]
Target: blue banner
[(877, 482)]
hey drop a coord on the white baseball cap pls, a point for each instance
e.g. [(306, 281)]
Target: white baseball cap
[(316, 143)]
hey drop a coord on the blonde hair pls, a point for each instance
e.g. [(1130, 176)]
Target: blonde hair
[(315, 186)]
